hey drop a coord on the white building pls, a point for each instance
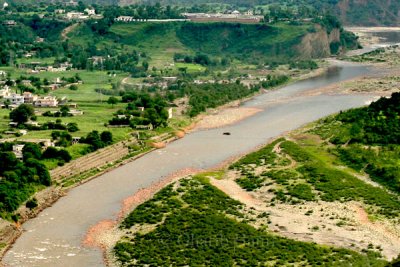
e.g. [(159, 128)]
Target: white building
[(47, 101), (15, 99), (76, 15), (29, 97), (90, 11), (17, 150), (170, 113)]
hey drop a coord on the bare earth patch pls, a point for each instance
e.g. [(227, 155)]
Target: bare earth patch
[(330, 223), (225, 117)]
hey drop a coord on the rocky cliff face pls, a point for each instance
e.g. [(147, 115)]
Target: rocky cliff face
[(318, 43)]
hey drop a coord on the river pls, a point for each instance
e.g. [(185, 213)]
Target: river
[(54, 237)]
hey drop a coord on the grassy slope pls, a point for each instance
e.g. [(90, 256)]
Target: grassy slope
[(161, 41)]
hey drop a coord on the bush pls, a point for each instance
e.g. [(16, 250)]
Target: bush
[(32, 203)]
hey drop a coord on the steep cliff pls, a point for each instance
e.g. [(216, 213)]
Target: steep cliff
[(320, 43)]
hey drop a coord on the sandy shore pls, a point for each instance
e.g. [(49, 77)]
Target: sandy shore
[(225, 117), (372, 29)]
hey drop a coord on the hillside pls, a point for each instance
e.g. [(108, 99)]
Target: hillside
[(254, 43)]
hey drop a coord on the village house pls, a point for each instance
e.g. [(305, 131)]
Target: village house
[(29, 97), (75, 112), (58, 80), (124, 19), (26, 82), (66, 65), (59, 11), (170, 113), (76, 15), (52, 87), (71, 3), (90, 11), (17, 150), (5, 91), (15, 99), (32, 123), (97, 60), (9, 23), (47, 101)]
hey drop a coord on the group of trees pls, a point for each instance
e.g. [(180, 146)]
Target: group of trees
[(98, 140), (376, 124), (22, 113), (142, 109), (206, 96), (363, 129), (273, 81), (201, 59), (19, 179)]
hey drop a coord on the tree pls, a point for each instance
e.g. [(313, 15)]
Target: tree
[(7, 103), (72, 127), (145, 65), (112, 101), (106, 137), (64, 111), (64, 155), (22, 113), (93, 139), (32, 150), (8, 161)]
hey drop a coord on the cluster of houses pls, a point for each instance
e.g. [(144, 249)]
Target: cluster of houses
[(18, 148), (15, 99), (133, 19), (36, 67), (89, 13), (233, 16)]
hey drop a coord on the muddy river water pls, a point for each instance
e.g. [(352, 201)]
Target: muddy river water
[(55, 237)]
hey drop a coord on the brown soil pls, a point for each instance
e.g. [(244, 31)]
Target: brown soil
[(66, 31)]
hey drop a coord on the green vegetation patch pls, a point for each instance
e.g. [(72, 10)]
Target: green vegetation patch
[(199, 233)]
